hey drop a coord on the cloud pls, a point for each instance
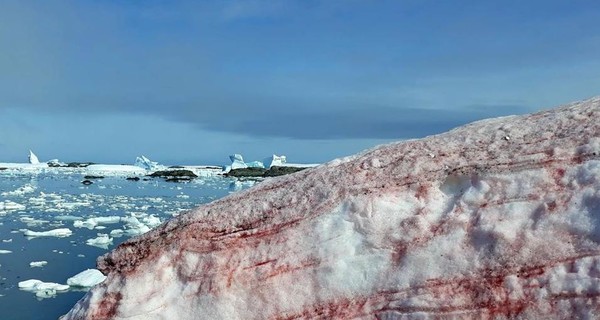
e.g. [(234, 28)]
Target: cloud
[(302, 70)]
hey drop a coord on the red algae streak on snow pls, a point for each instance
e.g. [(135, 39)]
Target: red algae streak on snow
[(496, 219), (107, 307)]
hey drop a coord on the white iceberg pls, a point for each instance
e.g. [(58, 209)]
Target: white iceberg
[(255, 164), (147, 164), (33, 159), (274, 161), (237, 162), (59, 233), (5, 251), (87, 278)]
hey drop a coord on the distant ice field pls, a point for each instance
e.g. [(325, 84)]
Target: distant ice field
[(53, 227)]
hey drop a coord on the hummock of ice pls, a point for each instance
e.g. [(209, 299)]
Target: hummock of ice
[(496, 219), (146, 164)]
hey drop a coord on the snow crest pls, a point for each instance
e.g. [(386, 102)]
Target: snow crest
[(496, 219)]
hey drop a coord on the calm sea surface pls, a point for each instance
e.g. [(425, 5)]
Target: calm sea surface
[(46, 201)]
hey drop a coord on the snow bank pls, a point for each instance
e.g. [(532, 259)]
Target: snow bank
[(494, 220), (87, 278)]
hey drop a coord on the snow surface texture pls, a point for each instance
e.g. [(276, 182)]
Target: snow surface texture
[(496, 219)]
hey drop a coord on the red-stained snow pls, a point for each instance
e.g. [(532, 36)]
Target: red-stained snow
[(496, 219)]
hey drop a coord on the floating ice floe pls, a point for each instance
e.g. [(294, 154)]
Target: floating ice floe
[(86, 279), (42, 289), (11, 206), (91, 223), (59, 233), (5, 251), (38, 264), (114, 169), (102, 241), (19, 192), (117, 233)]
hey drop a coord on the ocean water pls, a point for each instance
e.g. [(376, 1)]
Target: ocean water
[(46, 201)]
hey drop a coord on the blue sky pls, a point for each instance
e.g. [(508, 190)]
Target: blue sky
[(193, 81)]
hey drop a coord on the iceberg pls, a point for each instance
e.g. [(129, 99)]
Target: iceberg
[(497, 219), (237, 162), (146, 164), (33, 159), (255, 164), (274, 161)]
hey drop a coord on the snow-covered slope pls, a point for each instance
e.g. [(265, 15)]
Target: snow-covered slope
[(496, 219)]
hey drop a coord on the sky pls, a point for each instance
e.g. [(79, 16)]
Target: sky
[(190, 82)]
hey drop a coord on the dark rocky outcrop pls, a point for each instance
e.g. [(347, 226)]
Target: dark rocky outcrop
[(133, 178), (261, 172), (93, 177), (246, 172), (178, 175)]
